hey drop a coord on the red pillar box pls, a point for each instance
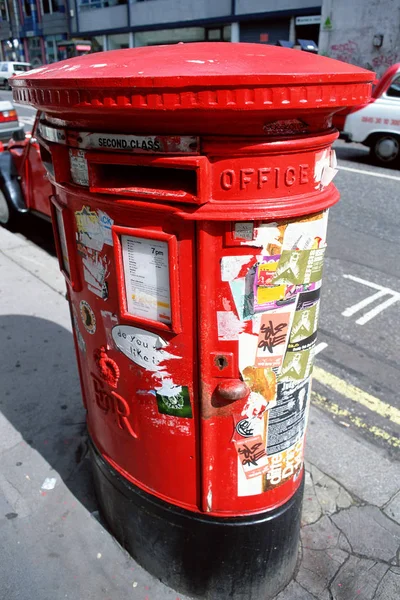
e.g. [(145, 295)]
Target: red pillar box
[(191, 191)]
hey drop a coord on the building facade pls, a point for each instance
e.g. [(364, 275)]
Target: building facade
[(363, 33), (30, 29)]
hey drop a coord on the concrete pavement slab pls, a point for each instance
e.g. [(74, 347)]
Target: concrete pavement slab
[(294, 591), (9, 240), (362, 469), (38, 262), (358, 578), (390, 585), (318, 568), (369, 532), (392, 509)]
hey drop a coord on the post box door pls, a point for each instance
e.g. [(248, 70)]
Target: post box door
[(131, 276), (256, 340)]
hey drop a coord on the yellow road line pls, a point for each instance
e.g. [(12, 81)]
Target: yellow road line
[(354, 393), (325, 404)]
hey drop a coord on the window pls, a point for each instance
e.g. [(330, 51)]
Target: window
[(394, 89), (170, 36), (49, 6), (89, 4), (118, 41), (27, 8), (21, 68), (4, 10), (4, 67)]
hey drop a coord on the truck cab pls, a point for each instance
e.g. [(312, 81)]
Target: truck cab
[(377, 124)]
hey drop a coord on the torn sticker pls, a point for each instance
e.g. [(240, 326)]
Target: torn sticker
[(229, 326), (96, 269), (287, 420), (243, 295), (144, 348), (93, 228), (306, 235), (173, 400), (78, 167), (109, 321), (88, 317), (243, 230), (252, 456), (325, 168), (284, 465), (106, 223), (63, 240), (232, 265), (269, 237), (308, 298), (300, 266), (272, 339), (262, 383), (79, 337)]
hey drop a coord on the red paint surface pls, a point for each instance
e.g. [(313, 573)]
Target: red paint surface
[(35, 184), (382, 85), (226, 94)]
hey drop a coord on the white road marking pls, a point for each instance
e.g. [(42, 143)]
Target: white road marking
[(383, 175), (382, 291), (370, 284), (356, 307), (378, 309), (319, 347)]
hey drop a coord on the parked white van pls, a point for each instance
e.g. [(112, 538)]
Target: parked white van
[(377, 124)]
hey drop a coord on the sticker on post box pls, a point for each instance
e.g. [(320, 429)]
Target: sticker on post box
[(252, 455), (78, 167), (146, 272)]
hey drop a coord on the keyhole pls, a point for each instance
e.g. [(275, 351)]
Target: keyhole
[(221, 362)]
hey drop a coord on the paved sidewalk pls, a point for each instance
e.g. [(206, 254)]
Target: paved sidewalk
[(54, 545)]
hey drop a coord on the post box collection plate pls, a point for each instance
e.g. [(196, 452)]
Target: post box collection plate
[(192, 185)]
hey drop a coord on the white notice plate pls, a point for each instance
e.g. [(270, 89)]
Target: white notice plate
[(146, 271)]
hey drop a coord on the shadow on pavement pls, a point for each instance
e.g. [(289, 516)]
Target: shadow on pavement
[(36, 230), (41, 398)]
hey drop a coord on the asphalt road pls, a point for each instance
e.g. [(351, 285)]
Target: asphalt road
[(360, 309), (358, 362)]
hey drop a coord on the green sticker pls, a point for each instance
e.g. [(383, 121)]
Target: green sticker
[(304, 329), (297, 365), (177, 405), (299, 266)]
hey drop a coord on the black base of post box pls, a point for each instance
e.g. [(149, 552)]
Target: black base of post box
[(241, 558)]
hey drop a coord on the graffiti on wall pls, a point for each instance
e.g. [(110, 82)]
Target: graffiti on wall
[(385, 60), (348, 52)]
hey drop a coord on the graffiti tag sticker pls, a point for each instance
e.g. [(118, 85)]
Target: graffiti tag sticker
[(252, 456), (88, 317)]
